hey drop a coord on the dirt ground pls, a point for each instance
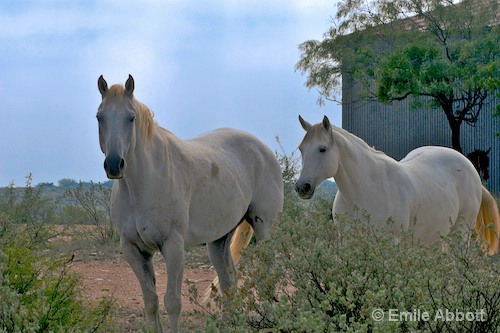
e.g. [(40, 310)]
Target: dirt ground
[(110, 276)]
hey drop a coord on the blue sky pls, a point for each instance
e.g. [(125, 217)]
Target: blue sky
[(199, 65)]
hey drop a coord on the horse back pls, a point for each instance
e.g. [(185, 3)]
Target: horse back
[(440, 164), (236, 148), (444, 181), (233, 155)]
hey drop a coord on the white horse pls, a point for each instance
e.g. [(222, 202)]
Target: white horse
[(170, 193), (428, 189)]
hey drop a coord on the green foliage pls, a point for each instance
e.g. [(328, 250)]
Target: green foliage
[(411, 69), (289, 166), (426, 50), (31, 210), (446, 74), (67, 183), (317, 275), (42, 295), (38, 293)]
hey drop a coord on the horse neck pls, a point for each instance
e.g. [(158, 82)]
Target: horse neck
[(151, 162), (359, 164)]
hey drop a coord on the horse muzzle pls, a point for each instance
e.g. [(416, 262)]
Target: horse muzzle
[(305, 190), (484, 174), (114, 166)]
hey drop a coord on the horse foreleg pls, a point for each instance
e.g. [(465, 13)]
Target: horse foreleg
[(173, 252), (142, 265)]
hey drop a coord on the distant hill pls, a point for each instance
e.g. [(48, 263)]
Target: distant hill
[(328, 189), (52, 191)]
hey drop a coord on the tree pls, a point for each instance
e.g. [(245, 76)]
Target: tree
[(436, 52), (67, 183)]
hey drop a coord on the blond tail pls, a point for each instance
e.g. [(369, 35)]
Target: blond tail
[(488, 224), (241, 238)]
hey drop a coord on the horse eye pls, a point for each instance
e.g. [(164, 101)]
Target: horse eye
[(322, 149), (131, 119)]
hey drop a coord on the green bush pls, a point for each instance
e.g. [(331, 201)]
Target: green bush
[(30, 210), (38, 293), (317, 275)]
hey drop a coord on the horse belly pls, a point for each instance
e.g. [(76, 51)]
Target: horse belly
[(208, 226), (434, 213), (391, 204), (213, 214)]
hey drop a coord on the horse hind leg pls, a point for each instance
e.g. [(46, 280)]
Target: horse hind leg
[(220, 257), (258, 219)]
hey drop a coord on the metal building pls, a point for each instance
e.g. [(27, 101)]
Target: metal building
[(397, 128)]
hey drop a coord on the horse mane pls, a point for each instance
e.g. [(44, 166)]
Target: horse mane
[(360, 142), (317, 131), (144, 115), (146, 119)]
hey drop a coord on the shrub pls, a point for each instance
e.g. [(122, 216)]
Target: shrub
[(314, 275), (317, 275), (91, 205), (38, 293), (30, 210)]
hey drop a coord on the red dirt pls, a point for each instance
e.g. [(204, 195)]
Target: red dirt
[(114, 278)]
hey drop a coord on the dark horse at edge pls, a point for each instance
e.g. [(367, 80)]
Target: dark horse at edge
[(481, 162)]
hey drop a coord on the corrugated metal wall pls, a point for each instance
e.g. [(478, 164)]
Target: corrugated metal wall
[(396, 129)]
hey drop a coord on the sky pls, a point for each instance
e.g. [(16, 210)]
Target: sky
[(199, 65)]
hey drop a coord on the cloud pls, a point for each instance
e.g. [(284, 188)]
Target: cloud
[(140, 44), (198, 64), (265, 34), (324, 6), (52, 20)]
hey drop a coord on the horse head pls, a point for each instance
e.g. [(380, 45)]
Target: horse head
[(481, 162), (320, 157), (116, 116)]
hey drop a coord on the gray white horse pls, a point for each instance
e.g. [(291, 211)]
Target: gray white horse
[(428, 189), (171, 193)]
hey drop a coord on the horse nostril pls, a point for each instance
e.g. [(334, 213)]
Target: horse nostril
[(303, 188), (114, 166)]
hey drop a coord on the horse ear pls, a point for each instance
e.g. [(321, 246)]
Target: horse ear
[(102, 85), (326, 123), (305, 125), (129, 85), (488, 151)]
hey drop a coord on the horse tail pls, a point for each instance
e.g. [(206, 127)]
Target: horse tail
[(241, 238), (488, 223)]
